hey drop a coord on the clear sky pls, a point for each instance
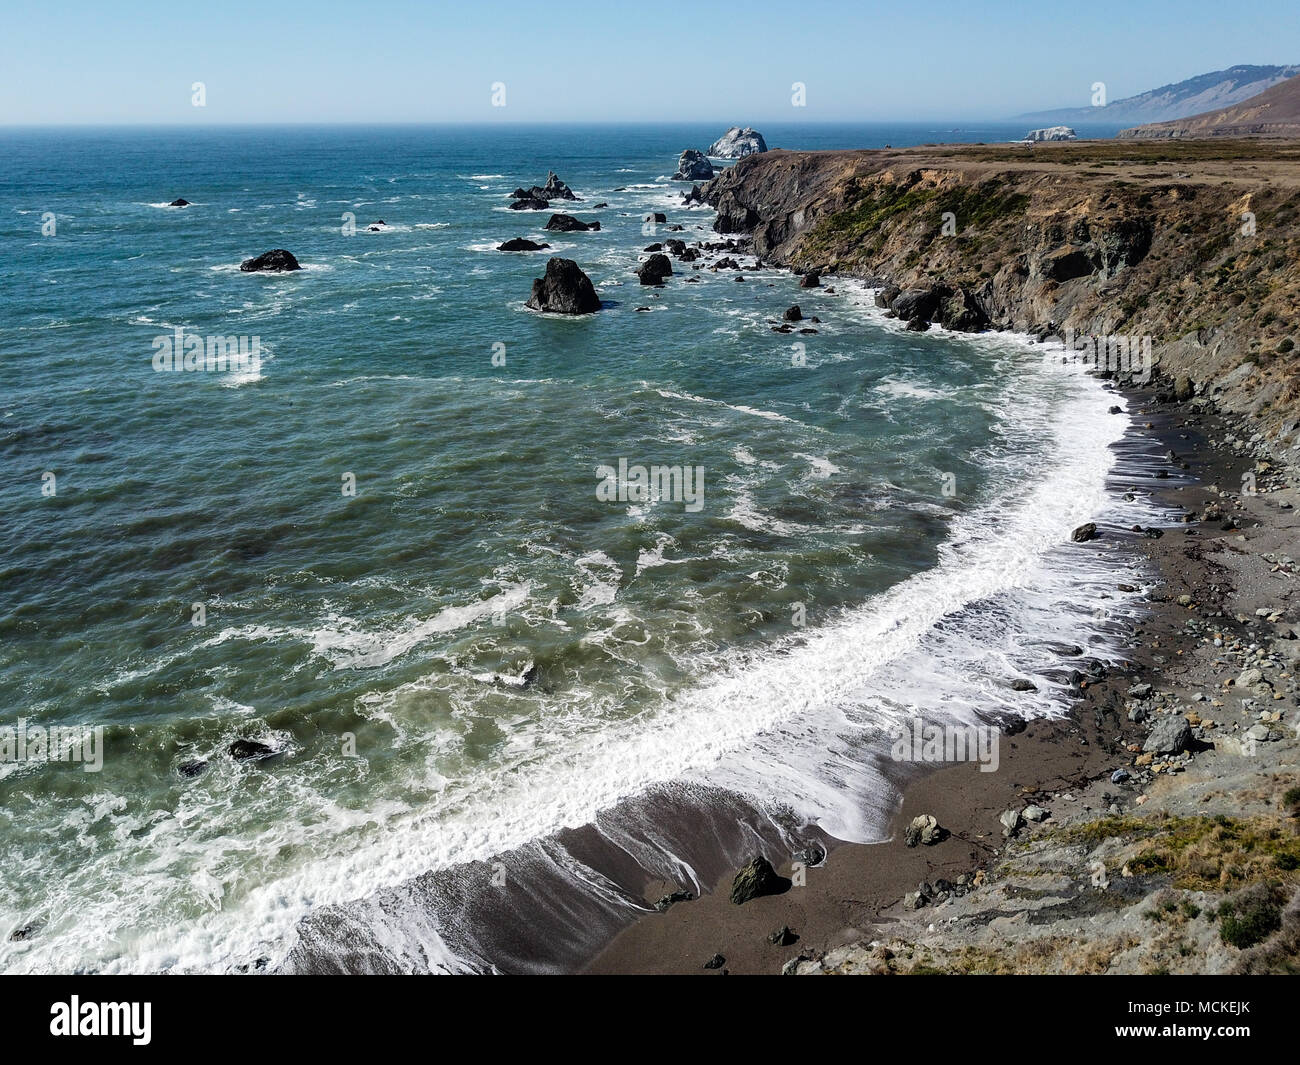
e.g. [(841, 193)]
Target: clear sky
[(401, 61)]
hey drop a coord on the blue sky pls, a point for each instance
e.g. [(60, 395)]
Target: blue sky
[(285, 61)]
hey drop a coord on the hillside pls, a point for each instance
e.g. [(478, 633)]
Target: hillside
[(1106, 238), (1273, 113), (1194, 96)]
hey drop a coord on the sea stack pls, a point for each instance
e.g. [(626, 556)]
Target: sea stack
[(693, 165), (564, 290), (737, 143), (275, 261)]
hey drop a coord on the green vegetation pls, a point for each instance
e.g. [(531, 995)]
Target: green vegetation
[(1251, 918)]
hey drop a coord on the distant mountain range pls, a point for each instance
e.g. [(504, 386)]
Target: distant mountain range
[(1273, 113), (1205, 92)]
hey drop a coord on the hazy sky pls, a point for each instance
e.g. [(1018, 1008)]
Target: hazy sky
[(325, 61)]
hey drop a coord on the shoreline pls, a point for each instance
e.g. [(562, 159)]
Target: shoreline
[(857, 898)]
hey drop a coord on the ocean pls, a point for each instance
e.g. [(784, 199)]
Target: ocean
[(493, 703)]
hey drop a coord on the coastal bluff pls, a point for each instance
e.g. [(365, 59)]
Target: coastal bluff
[(1194, 246)]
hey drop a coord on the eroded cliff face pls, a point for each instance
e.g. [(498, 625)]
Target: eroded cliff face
[(1196, 249)]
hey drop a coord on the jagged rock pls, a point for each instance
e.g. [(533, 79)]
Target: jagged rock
[(715, 962), (1182, 388), (655, 269), (756, 879), (783, 936), (1085, 532), (671, 899), (810, 280), (737, 143), (178, 202), (693, 166), (521, 244), (885, 296), (564, 290), (675, 246), (961, 312), (275, 261), (924, 829), (529, 203), (566, 223), (917, 325), (793, 313), (1010, 820), (1170, 735), (734, 217), (554, 189), (696, 195), (916, 303), (1034, 813)]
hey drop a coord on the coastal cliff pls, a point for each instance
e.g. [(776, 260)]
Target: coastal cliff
[(1196, 246)]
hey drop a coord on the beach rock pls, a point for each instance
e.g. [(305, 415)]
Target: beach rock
[(672, 898), (914, 303), (564, 290), (783, 936), (693, 166), (529, 203), (566, 223), (885, 296), (737, 143), (1259, 733), (715, 962), (1010, 820), (1085, 532), (275, 261), (913, 900), (924, 829), (660, 217), (1052, 133), (1248, 678), (696, 195), (192, 768), (178, 202), (961, 312), (810, 855), (655, 269), (1034, 813), (246, 750), (598, 206), (674, 246), (917, 325), (1170, 734), (793, 313), (1119, 776), (810, 280), (1022, 685), (756, 879), (521, 244), (1140, 691), (653, 247), (1182, 388)]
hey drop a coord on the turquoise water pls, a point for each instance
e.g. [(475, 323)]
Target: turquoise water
[(472, 651)]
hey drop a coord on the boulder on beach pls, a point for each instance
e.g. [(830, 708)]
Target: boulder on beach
[(179, 203), (756, 879), (564, 290), (693, 165), (655, 269), (521, 244), (1171, 734), (275, 261), (1085, 532), (566, 223), (925, 830), (737, 143)]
